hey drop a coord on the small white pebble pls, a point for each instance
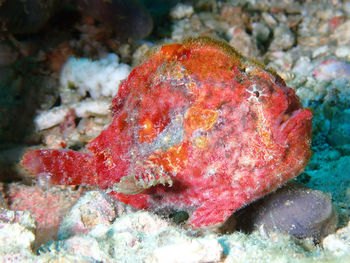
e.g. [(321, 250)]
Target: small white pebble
[(50, 118), (342, 52), (86, 108), (181, 11), (195, 250), (91, 108), (320, 51), (339, 242)]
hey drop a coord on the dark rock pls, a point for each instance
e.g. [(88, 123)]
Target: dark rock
[(293, 209), (127, 18), (179, 217), (23, 17), (3, 202)]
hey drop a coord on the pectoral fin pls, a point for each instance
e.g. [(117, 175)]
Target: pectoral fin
[(65, 167), (144, 177)]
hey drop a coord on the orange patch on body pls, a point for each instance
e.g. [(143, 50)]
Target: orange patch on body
[(148, 131), (201, 142), (152, 124), (197, 118), (173, 159), (207, 62), (172, 51)]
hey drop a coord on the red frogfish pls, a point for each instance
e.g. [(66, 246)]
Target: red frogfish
[(196, 127)]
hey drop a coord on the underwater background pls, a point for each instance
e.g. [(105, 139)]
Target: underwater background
[(61, 63)]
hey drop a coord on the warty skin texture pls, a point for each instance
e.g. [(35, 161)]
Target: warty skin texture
[(196, 127)]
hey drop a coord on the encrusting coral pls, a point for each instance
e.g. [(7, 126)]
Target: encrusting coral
[(196, 127)]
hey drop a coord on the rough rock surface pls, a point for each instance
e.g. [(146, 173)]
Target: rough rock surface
[(137, 237), (339, 242), (93, 209), (17, 236), (144, 237), (47, 206)]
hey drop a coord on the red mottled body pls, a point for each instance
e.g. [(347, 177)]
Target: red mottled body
[(196, 127)]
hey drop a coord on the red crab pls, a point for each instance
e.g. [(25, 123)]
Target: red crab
[(197, 127)]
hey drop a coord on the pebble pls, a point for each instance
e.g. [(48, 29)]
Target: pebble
[(303, 66), (332, 69), (242, 42), (342, 34), (83, 109), (343, 52), (234, 15), (17, 230), (347, 8), (143, 230), (269, 19), (134, 237), (83, 248), (91, 210), (261, 32), (292, 209), (140, 53), (181, 11), (283, 38), (280, 61), (321, 51), (46, 205), (339, 242), (188, 251)]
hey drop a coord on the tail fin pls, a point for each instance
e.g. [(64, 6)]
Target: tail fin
[(64, 167)]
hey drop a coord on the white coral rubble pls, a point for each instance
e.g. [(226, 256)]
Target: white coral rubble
[(100, 78)]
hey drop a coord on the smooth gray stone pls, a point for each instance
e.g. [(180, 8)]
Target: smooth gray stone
[(293, 209)]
